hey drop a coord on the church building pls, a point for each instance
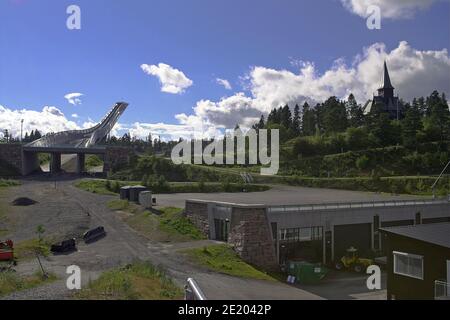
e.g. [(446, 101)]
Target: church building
[(386, 99)]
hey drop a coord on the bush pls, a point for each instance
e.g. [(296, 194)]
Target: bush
[(362, 162)]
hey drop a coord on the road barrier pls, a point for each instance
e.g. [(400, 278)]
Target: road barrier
[(193, 291)]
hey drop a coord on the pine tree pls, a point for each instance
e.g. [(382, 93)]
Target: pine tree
[(334, 117), (355, 112), (296, 120), (286, 117), (411, 125), (308, 120)]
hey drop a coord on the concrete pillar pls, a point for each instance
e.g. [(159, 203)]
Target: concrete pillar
[(80, 163), (55, 163)]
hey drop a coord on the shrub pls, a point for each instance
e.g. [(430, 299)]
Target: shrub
[(362, 162)]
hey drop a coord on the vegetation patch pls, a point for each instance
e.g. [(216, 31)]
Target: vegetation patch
[(118, 204), (95, 186), (174, 222), (138, 281), (160, 185), (167, 225), (28, 249), (93, 161), (11, 282), (394, 185), (222, 258), (4, 183)]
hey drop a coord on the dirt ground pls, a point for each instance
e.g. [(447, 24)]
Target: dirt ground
[(66, 211)]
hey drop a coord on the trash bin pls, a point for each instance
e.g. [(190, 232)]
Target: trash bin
[(125, 193), (145, 199), (134, 192), (307, 273)]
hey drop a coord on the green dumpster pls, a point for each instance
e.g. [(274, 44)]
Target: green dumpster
[(305, 272)]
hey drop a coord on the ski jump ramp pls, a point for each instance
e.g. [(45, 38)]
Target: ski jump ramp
[(79, 142), (86, 138)]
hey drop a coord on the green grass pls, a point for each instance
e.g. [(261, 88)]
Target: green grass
[(4, 183), (169, 225), (173, 222), (93, 161), (118, 204), (101, 187), (94, 186), (222, 258), (27, 249), (138, 281), (11, 282)]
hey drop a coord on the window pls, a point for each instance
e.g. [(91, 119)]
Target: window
[(409, 265), (301, 234)]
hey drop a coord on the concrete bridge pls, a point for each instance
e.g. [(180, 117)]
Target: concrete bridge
[(79, 142)]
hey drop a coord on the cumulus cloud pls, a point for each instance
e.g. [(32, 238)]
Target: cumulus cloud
[(414, 73), (73, 98), (225, 83), (50, 119), (74, 116), (393, 9), (172, 80)]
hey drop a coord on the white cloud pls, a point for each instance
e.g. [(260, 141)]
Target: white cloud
[(75, 116), (50, 119), (414, 73), (225, 83), (73, 98), (172, 80), (394, 9)]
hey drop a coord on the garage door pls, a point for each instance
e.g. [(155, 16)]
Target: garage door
[(352, 235)]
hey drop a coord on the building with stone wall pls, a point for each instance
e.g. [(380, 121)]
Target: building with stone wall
[(268, 236)]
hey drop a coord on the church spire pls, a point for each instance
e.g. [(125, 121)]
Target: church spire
[(386, 78)]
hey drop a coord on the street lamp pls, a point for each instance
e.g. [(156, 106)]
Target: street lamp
[(21, 130)]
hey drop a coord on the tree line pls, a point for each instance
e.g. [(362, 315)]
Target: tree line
[(345, 126)]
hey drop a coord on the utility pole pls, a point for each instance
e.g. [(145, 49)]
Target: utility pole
[(21, 130)]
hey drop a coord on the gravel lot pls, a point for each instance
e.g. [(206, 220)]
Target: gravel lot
[(66, 211)]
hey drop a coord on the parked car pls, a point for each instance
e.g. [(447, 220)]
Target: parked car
[(64, 247), (94, 234)]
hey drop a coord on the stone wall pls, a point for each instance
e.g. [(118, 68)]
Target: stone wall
[(115, 157), (197, 213), (251, 237), (12, 155)]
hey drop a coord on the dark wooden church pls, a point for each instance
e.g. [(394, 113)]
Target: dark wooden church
[(386, 99)]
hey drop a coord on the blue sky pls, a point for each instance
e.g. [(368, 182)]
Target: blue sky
[(41, 60)]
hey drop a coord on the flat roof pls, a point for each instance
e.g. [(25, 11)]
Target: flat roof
[(435, 233), (281, 195)]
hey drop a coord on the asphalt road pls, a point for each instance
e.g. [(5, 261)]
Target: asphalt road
[(281, 195), (66, 211)]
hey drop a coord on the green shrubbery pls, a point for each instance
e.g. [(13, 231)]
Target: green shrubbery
[(389, 161), (396, 185), (160, 185)]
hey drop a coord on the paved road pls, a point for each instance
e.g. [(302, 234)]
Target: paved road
[(70, 211), (281, 195), (343, 285)]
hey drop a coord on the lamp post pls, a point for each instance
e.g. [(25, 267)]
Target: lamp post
[(21, 130)]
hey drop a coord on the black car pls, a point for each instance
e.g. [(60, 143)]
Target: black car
[(64, 247), (94, 234)]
